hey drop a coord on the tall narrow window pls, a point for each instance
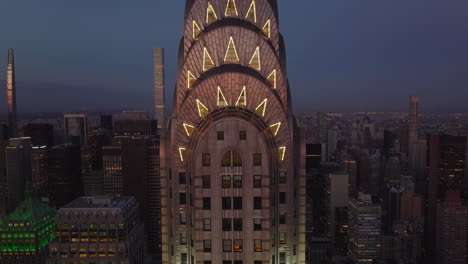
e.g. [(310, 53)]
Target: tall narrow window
[(227, 224), (226, 203), (282, 258), (183, 238), (226, 181), (282, 197), (206, 182), (238, 224), (257, 203), (257, 159), (231, 159), (183, 258), (257, 223), (206, 159), (242, 135), (237, 203), (182, 198), (182, 178), (282, 177), (227, 245), (222, 102), (237, 181), (206, 224), (206, 203), (257, 245), (282, 237), (282, 218), (182, 218), (206, 245), (238, 245), (257, 181)]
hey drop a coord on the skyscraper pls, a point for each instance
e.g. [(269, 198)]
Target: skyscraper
[(446, 157), (76, 129), (364, 229), (11, 95), (452, 222), (98, 230), (237, 190), (159, 101), (414, 118)]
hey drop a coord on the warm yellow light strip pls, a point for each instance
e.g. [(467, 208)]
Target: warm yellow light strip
[(275, 128), (195, 29), (188, 129), (244, 94), (252, 9), (256, 56), (272, 78), (200, 106), (231, 46), (282, 152), (221, 95), (206, 55), (190, 77), (228, 8), (209, 10), (264, 105), (267, 28), (182, 153)]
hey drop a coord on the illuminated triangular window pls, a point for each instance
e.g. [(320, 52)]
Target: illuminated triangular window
[(231, 8), (252, 13), (189, 129), (272, 79), (207, 60), (221, 99), (266, 28), (275, 128), (281, 153), (231, 55), (202, 109), (183, 154), (242, 100), (195, 30), (255, 60), (210, 14), (261, 108), (190, 79)]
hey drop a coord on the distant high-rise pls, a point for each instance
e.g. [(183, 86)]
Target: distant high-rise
[(11, 95), (364, 229), (40, 134), (18, 167), (98, 230), (414, 118), (446, 157), (451, 239), (159, 102), (76, 129)]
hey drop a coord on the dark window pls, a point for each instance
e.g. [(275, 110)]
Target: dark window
[(206, 245), (206, 224), (226, 181), (238, 262), (282, 197), (242, 135), (226, 203), (282, 218), (227, 245), (220, 135), (182, 178), (231, 159), (257, 223), (282, 177), (257, 159), (182, 198), (257, 203), (257, 181), (183, 238), (257, 245), (227, 224), (206, 181), (237, 201), (206, 159), (237, 181), (236, 159), (227, 262), (282, 258), (238, 245), (237, 224), (257, 262), (183, 218), (183, 258), (226, 160), (206, 203), (207, 262)]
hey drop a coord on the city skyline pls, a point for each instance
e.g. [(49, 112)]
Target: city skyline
[(375, 54)]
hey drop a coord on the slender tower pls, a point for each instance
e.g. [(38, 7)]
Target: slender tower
[(237, 189), (11, 95), (414, 116), (159, 102)]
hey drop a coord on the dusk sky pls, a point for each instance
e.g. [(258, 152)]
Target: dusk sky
[(342, 54)]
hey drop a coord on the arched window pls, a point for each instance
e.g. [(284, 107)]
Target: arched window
[(231, 159)]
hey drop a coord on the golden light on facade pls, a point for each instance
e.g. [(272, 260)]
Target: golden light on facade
[(282, 153), (231, 55), (267, 29), (242, 100), (272, 78), (231, 8), (252, 13), (195, 29), (255, 60), (222, 102), (207, 60), (202, 109), (190, 79), (189, 129), (261, 108), (211, 15), (182, 153), (275, 128)]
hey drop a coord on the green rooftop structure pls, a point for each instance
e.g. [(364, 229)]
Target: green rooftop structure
[(26, 233)]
